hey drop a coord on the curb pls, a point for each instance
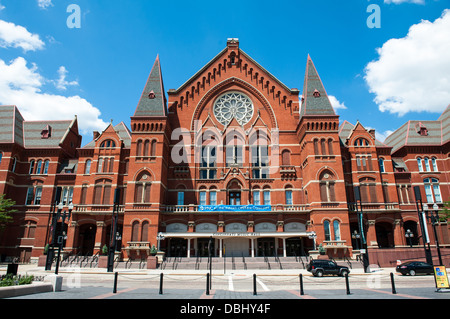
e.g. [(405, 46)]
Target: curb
[(15, 291)]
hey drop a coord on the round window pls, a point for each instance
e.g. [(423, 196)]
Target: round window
[(233, 105)]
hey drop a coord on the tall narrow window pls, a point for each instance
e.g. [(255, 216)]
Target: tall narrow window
[(208, 168), (337, 230), (419, 164), (256, 197), (326, 229), (432, 190), (14, 163), (427, 164), (31, 167), (180, 198), (46, 165), (288, 194), (266, 197), (39, 167), (87, 168), (213, 198), (381, 162), (203, 198), (434, 163)]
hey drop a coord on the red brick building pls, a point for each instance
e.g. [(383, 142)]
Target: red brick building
[(233, 155)]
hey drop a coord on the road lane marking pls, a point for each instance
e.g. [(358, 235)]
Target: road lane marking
[(230, 283), (262, 284), (397, 294)]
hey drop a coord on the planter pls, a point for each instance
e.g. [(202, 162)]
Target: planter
[(152, 262), (42, 260), (15, 291), (103, 262)]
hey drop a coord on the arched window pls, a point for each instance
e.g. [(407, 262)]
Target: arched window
[(208, 168), (46, 165), (381, 162), (266, 194), (143, 187), (288, 195), (102, 192), (337, 230), (327, 184), (139, 148), (286, 158), (326, 229), (213, 196), (39, 167), (108, 144), (361, 142), (330, 147), (256, 196), (434, 163), (87, 168), (427, 164), (14, 163), (316, 147), (368, 190), (135, 231), (146, 148), (153, 148), (144, 231), (419, 164), (432, 190), (31, 171)]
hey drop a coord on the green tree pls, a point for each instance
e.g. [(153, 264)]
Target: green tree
[(6, 211), (445, 213)]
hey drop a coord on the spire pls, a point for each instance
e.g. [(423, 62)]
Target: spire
[(153, 100), (315, 99)]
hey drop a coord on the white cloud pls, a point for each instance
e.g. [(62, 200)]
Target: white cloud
[(2, 7), (413, 73), (336, 104), (61, 83), (16, 36), (44, 4), (21, 85)]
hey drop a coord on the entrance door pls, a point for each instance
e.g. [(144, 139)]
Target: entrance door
[(202, 247), (266, 247), (235, 198), (177, 247), (294, 247), (236, 247), (87, 237)]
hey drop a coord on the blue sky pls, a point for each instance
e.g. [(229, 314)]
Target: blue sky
[(98, 71)]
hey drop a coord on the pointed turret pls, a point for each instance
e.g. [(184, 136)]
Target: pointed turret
[(315, 100), (153, 100)]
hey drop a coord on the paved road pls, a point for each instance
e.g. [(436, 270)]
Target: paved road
[(270, 285)]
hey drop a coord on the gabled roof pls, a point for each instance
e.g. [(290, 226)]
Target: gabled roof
[(121, 130), (218, 56), (437, 133), (315, 100), (346, 131), (153, 100)]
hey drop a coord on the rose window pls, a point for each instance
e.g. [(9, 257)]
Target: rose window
[(233, 105)]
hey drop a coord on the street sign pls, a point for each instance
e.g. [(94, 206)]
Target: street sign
[(440, 276)]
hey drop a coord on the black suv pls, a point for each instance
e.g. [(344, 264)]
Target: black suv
[(320, 267)]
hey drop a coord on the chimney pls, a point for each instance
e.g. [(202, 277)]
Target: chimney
[(96, 135)]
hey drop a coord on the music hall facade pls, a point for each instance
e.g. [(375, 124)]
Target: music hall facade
[(234, 159)]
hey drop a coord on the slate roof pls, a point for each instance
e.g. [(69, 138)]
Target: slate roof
[(315, 100), (14, 129), (346, 130), (156, 106), (438, 133)]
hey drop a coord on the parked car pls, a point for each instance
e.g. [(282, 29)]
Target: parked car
[(320, 267), (415, 267)]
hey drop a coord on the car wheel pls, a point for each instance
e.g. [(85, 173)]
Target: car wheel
[(319, 273), (412, 272)]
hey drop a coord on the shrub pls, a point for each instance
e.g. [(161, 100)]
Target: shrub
[(10, 280)]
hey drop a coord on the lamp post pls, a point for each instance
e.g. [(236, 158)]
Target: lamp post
[(51, 251), (210, 260), (359, 213), (434, 220), (423, 225), (113, 237), (409, 235), (62, 236), (312, 235), (357, 238)]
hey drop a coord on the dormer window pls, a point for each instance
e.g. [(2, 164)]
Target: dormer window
[(316, 93), (421, 129), (46, 132), (151, 95), (108, 144)]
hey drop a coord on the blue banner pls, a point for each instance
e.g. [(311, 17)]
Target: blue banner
[(234, 208)]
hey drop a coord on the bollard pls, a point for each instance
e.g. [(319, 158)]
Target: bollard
[(161, 284), (207, 284), (115, 282), (301, 285), (254, 285), (393, 284), (347, 284)]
